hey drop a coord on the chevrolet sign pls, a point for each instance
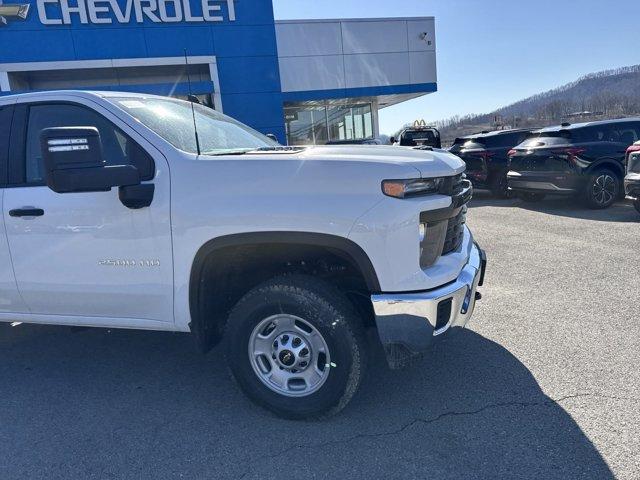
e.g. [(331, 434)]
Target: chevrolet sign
[(13, 11), (63, 12)]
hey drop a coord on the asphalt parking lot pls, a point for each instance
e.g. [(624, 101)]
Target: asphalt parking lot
[(544, 384)]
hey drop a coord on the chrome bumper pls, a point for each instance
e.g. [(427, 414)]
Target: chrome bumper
[(408, 323), (632, 186)]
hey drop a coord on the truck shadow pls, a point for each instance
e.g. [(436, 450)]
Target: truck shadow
[(145, 405), (622, 211)]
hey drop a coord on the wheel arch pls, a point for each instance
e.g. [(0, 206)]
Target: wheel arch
[(207, 331), (609, 163)]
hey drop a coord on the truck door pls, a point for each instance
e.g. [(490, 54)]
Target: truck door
[(10, 301), (85, 258)]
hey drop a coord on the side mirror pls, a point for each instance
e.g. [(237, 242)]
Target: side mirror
[(74, 162), (392, 140), (272, 137)]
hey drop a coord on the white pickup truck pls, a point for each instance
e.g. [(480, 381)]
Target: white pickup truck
[(118, 213)]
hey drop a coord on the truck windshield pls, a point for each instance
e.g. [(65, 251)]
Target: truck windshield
[(173, 120)]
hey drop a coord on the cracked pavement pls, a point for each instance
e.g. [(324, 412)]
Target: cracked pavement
[(544, 384)]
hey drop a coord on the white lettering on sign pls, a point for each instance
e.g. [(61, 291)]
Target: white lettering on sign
[(106, 11)]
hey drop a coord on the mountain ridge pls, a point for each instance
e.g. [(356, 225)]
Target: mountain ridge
[(606, 94)]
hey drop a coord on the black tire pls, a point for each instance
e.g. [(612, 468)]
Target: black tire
[(532, 197), (602, 189), (324, 308), (499, 187), (636, 204)]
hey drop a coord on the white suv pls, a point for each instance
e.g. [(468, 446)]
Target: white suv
[(118, 213)]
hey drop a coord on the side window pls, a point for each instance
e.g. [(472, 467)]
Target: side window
[(626, 133), (118, 148), (592, 134), (5, 129)]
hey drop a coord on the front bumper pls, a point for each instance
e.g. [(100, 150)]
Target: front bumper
[(408, 323), (632, 186), (556, 183)]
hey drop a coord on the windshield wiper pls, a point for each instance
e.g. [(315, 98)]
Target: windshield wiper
[(216, 153)]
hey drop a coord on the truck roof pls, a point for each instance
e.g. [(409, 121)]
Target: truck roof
[(77, 93)]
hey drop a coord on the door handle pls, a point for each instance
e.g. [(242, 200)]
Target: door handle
[(26, 212)]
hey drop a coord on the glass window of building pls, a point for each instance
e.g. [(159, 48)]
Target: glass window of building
[(309, 125), (306, 126)]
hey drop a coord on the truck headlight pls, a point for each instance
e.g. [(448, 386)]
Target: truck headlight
[(411, 188)]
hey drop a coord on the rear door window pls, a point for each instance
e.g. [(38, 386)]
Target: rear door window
[(626, 133), (597, 133)]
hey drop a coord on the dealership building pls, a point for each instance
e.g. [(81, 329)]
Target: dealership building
[(306, 81)]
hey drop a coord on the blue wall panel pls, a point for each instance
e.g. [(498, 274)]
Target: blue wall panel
[(171, 41), (98, 44), (26, 46), (238, 41), (249, 74), (256, 109), (253, 12), (246, 51)]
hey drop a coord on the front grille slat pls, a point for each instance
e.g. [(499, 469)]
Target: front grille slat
[(453, 185), (455, 232), (444, 235)]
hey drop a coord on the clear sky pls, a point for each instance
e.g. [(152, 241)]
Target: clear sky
[(494, 52)]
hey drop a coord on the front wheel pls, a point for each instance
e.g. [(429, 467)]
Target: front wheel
[(296, 347), (603, 188)]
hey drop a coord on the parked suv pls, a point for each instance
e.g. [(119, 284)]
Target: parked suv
[(485, 155), (118, 213), (632, 180), (585, 159), (418, 136)]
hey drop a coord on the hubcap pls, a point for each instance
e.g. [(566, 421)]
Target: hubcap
[(604, 189), (289, 355)]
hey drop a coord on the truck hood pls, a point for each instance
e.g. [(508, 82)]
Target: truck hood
[(427, 163)]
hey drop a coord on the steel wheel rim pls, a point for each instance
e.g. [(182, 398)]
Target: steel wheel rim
[(604, 189), (289, 355)]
